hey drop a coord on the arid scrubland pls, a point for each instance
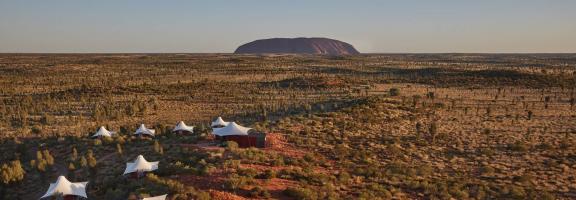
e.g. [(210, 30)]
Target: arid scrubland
[(416, 126)]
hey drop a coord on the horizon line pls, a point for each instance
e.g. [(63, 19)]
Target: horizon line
[(232, 53)]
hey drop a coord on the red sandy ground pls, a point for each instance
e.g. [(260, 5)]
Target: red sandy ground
[(214, 181), (280, 146), (275, 186), (219, 195)]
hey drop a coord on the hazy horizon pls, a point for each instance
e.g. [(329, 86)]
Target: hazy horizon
[(447, 26)]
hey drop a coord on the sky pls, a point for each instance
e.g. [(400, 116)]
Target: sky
[(217, 26)]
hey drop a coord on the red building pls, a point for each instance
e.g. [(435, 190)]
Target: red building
[(245, 141), (240, 135)]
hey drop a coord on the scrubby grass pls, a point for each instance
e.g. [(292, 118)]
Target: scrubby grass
[(434, 126)]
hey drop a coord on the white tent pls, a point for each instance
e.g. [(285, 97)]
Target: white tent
[(143, 130), (231, 129), (161, 197), (102, 132), (64, 187), (181, 126), (140, 165), (219, 122)]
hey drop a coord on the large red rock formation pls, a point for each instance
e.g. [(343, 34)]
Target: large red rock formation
[(323, 46)]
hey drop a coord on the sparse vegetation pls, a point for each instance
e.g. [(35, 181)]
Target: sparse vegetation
[(360, 127)]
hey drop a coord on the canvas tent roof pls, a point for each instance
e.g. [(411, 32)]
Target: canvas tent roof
[(143, 130), (140, 164), (219, 122), (161, 197), (231, 129), (64, 187), (103, 132), (181, 126)]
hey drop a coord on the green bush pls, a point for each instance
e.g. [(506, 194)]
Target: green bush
[(259, 192), (487, 170), (517, 192), (235, 182), (12, 172), (249, 172), (300, 193), (230, 145), (394, 92), (267, 174), (278, 161), (519, 146), (177, 190)]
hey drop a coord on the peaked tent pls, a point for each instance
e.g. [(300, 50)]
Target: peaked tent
[(231, 129), (64, 187), (102, 132), (142, 130), (181, 126), (219, 122), (161, 197), (140, 165)]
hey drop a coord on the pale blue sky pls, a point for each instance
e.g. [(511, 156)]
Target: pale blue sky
[(79, 26)]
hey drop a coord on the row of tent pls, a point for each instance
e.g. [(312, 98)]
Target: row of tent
[(64, 187), (220, 128), (142, 130)]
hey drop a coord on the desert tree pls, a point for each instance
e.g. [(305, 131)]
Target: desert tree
[(91, 159), (418, 130), (453, 103), (71, 166), (394, 92), (431, 95), (433, 130), (48, 157), (46, 119), (158, 148), (119, 149), (71, 170), (39, 156), (488, 111), (99, 114), (41, 165), (74, 155), (83, 161), (12, 172), (415, 100)]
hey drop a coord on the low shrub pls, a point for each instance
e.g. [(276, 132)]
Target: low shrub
[(300, 193), (267, 174), (519, 146), (259, 192)]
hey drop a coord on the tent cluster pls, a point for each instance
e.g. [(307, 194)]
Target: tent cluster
[(181, 127), (66, 188), (228, 131), (139, 167)]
